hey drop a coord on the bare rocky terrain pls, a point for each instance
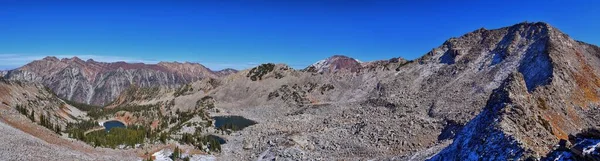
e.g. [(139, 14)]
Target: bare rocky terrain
[(527, 91)]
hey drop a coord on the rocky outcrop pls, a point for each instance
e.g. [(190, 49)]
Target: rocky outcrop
[(384, 65), (98, 83), (484, 137), (544, 102)]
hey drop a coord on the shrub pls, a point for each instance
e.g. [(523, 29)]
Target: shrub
[(183, 90), (542, 103), (257, 73), (326, 87)]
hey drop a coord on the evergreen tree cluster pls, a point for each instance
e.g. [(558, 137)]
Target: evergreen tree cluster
[(44, 120), (117, 136), (99, 112), (182, 90), (77, 130), (199, 141)]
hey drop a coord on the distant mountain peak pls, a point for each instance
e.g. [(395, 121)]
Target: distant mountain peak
[(50, 58), (226, 72), (335, 63)]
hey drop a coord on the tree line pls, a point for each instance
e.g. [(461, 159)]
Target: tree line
[(44, 120)]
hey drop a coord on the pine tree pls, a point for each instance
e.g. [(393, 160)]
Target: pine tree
[(176, 154), (32, 115), (163, 138)]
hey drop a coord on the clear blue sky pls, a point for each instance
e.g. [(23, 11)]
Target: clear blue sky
[(240, 34)]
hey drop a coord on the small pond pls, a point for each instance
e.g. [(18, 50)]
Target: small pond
[(112, 124), (232, 122), (219, 139)]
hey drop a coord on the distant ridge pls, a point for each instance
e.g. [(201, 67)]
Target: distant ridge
[(98, 83)]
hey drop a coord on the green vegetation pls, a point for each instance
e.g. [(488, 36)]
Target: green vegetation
[(117, 136), (22, 110), (44, 120), (149, 158), (99, 112), (77, 130), (136, 92), (182, 90), (205, 102), (229, 126), (176, 154), (546, 124), (542, 103), (199, 141), (278, 76), (403, 64), (182, 118), (213, 82), (311, 69), (257, 73), (163, 137), (326, 87), (295, 94)]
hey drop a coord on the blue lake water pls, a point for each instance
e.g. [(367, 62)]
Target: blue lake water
[(232, 122), (112, 124)]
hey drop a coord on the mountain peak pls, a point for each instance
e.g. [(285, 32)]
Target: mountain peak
[(226, 72), (50, 58), (502, 42), (335, 63), (73, 59)]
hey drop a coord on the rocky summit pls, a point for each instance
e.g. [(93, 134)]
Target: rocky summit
[(522, 92), (334, 64)]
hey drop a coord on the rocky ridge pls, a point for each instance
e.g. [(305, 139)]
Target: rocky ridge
[(99, 83)]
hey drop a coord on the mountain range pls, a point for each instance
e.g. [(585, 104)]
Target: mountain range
[(526, 91), (99, 83)]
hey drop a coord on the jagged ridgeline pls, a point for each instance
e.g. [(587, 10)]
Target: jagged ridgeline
[(99, 83)]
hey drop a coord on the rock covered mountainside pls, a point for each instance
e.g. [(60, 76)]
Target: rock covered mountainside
[(507, 93), (99, 83), (552, 94), (526, 91), (31, 115)]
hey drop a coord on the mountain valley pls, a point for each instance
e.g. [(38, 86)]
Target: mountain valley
[(526, 91)]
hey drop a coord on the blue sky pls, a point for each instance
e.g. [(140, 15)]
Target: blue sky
[(240, 34)]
